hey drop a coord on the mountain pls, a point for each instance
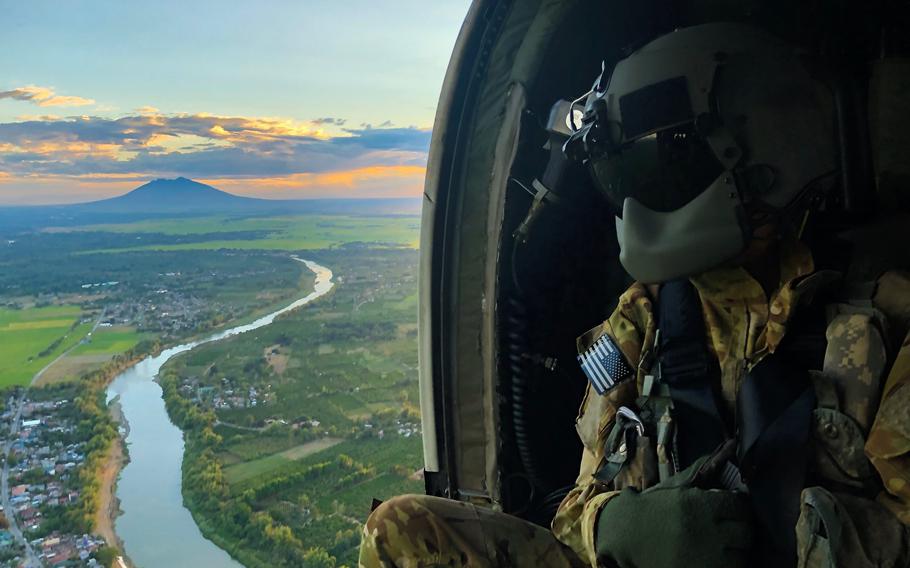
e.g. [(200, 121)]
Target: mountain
[(172, 195), (182, 197), (179, 195)]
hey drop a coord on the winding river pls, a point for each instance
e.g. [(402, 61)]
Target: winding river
[(156, 529)]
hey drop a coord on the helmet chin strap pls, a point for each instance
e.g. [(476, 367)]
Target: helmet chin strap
[(657, 246)]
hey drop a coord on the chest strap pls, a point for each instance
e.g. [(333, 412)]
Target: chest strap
[(690, 371)]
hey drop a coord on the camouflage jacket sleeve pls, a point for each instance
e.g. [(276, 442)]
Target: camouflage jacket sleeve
[(844, 529), (888, 444), (630, 326)]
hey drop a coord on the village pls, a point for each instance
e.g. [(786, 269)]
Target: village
[(169, 313), (41, 474)]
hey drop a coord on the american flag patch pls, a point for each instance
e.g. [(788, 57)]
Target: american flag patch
[(604, 364)]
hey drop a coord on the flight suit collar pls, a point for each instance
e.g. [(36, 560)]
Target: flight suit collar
[(729, 286)]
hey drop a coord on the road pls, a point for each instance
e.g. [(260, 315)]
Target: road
[(31, 559), (67, 352)]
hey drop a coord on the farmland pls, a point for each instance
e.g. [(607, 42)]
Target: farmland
[(109, 341), (307, 419), (241, 472), (91, 353), (33, 337), (306, 232)]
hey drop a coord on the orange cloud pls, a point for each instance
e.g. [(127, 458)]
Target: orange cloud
[(72, 149), (245, 129), (385, 181), (38, 117), (44, 97), (344, 178)]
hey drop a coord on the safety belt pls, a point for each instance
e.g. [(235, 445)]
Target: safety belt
[(774, 411), (690, 371)]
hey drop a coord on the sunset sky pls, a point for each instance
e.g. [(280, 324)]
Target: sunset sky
[(283, 99)]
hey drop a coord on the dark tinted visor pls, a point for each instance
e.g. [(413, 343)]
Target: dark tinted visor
[(663, 171)]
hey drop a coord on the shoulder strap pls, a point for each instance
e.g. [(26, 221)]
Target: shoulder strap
[(690, 371), (774, 413)]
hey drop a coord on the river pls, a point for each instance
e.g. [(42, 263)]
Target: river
[(155, 528)]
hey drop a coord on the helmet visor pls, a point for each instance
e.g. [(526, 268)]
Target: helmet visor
[(663, 170)]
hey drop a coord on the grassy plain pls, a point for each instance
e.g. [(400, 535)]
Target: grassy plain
[(31, 338), (303, 232)]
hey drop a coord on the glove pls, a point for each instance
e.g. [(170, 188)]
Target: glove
[(676, 523)]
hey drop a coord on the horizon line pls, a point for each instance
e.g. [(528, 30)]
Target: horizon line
[(141, 184)]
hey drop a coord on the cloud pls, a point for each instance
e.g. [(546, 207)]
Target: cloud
[(369, 181), (260, 152), (44, 97), (410, 138), (328, 120)]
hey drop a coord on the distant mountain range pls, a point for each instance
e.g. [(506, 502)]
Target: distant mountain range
[(185, 197)]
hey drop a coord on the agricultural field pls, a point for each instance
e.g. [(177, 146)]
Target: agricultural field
[(90, 354), (303, 232), (32, 338), (109, 341), (316, 414), (259, 467)]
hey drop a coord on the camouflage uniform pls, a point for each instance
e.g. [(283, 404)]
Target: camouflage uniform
[(743, 326), (418, 531)]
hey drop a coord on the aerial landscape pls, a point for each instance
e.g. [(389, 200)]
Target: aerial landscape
[(290, 428), (208, 277)]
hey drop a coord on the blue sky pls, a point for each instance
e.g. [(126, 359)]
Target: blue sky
[(268, 98)]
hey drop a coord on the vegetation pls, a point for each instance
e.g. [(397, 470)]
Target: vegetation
[(337, 376), (303, 232), (291, 430)]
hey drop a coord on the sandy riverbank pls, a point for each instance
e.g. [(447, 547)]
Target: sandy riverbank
[(109, 507)]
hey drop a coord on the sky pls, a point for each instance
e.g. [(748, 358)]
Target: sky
[(273, 98)]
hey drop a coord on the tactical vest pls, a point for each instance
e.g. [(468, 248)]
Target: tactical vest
[(802, 415)]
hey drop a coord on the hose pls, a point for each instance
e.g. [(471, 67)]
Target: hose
[(517, 347)]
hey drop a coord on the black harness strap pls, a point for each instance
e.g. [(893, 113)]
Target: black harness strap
[(774, 411), (690, 371)]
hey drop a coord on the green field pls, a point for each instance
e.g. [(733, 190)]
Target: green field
[(263, 466), (304, 232), (32, 338), (109, 341)]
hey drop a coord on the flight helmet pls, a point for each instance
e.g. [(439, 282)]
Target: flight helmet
[(700, 136)]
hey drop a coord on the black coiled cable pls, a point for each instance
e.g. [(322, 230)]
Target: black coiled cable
[(517, 345)]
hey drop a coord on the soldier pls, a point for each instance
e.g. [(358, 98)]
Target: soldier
[(744, 407)]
